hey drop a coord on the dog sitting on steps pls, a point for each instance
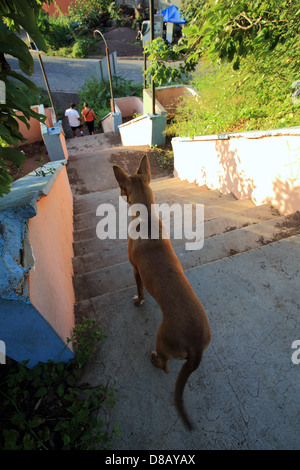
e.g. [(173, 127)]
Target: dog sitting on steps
[(184, 332)]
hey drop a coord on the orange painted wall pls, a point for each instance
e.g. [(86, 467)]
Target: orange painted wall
[(51, 238), (63, 6), (33, 134)]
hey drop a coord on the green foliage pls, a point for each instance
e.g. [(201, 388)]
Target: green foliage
[(160, 55), (23, 13), (85, 336), (227, 31), (88, 13), (57, 30), (97, 94), (82, 47), (35, 95), (15, 14), (45, 408), (231, 29), (243, 100), (63, 36), (253, 52)]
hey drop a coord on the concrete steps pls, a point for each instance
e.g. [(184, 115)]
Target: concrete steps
[(98, 281), (115, 251), (246, 276), (231, 226)]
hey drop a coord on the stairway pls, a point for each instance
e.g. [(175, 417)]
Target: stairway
[(231, 226), (247, 277)]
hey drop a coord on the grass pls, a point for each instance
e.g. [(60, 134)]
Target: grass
[(248, 99)]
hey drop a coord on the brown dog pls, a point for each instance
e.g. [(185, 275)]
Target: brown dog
[(184, 332)]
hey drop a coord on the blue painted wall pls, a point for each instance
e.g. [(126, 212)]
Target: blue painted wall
[(26, 334)]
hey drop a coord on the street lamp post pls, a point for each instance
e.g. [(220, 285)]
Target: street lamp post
[(112, 104), (151, 14), (34, 48)]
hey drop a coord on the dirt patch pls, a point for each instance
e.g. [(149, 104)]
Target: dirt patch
[(36, 156), (123, 41)]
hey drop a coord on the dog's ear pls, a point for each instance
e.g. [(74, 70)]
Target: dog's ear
[(144, 169), (122, 178)]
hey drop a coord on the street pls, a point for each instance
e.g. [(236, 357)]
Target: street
[(68, 75)]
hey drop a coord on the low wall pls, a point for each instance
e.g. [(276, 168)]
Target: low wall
[(150, 129), (147, 103), (63, 6), (167, 98), (102, 73), (51, 132), (50, 236), (263, 166), (171, 96), (143, 130), (125, 107), (129, 106), (36, 290), (112, 121), (33, 134)]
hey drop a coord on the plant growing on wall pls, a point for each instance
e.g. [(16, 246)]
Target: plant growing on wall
[(15, 14)]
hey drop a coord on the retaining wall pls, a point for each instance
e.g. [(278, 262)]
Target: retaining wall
[(262, 165)]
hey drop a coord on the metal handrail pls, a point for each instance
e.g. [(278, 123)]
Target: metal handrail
[(112, 104)]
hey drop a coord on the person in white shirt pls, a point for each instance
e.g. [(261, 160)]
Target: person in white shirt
[(74, 119)]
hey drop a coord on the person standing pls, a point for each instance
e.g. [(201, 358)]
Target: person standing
[(89, 118), (74, 119)]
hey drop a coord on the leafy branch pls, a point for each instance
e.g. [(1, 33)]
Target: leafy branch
[(15, 14)]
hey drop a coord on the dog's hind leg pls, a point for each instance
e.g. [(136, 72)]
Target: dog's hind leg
[(160, 357), (160, 361), (140, 297)]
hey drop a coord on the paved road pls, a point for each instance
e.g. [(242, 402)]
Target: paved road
[(69, 75)]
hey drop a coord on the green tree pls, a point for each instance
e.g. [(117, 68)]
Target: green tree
[(231, 29), (228, 31), (14, 15), (250, 54)]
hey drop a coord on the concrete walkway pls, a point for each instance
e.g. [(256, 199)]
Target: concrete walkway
[(245, 394)]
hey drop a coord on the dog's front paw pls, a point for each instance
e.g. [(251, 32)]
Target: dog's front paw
[(138, 301)]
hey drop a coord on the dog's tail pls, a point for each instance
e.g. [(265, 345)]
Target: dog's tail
[(188, 367)]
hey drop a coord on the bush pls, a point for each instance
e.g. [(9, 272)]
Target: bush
[(98, 96), (251, 98), (90, 12), (82, 47), (57, 31)]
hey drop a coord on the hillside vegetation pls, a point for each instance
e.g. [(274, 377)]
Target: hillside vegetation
[(248, 57)]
